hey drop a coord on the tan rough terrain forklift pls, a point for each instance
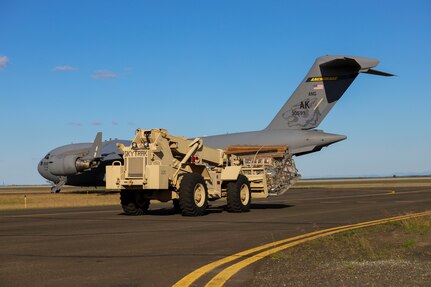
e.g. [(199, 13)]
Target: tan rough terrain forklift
[(159, 166)]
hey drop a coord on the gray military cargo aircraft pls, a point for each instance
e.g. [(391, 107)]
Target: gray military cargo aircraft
[(294, 125)]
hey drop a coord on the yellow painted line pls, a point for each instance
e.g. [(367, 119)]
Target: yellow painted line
[(195, 275), (221, 278)]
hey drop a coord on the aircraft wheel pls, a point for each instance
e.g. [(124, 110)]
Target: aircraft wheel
[(239, 195), (193, 195), (55, 189), (133, 202)]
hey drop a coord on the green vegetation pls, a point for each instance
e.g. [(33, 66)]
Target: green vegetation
[(410, 243), (391, 240), (417, 225), (391, 254)]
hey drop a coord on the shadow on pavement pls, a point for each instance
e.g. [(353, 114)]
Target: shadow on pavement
[(215, 209), (270, 206), (92, 191)]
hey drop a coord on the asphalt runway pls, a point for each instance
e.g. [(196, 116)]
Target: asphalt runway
[(98, 246)]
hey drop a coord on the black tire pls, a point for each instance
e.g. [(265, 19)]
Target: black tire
[(193, 195), (55, 189), (239, 195), (133, 202), (177, 206)]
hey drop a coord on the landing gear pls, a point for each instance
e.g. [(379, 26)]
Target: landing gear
[(134, 202), (56, 187), (239, 195)]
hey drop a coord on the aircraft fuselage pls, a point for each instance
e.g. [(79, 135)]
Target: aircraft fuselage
[(299, 141)]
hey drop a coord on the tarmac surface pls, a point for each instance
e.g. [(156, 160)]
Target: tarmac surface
[(99, 246)]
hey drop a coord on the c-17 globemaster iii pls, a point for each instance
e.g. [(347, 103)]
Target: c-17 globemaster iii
[(293, 126)]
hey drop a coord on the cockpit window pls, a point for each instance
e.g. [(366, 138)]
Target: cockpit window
[(47, 156)]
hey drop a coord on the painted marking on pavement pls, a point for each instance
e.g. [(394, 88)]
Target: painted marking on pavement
[(221, 278)]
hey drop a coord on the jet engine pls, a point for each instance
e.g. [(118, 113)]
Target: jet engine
[(64, 165)]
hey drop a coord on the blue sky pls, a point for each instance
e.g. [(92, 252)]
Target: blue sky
[(71, 68)]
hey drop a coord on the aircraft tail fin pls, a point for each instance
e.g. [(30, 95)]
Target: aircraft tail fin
[(96, 148), (325, 83)]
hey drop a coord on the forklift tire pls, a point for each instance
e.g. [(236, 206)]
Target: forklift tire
[(239, 195), (193, 195), (133, 202)]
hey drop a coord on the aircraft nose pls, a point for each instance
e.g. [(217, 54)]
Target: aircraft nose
[(42, 168)]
